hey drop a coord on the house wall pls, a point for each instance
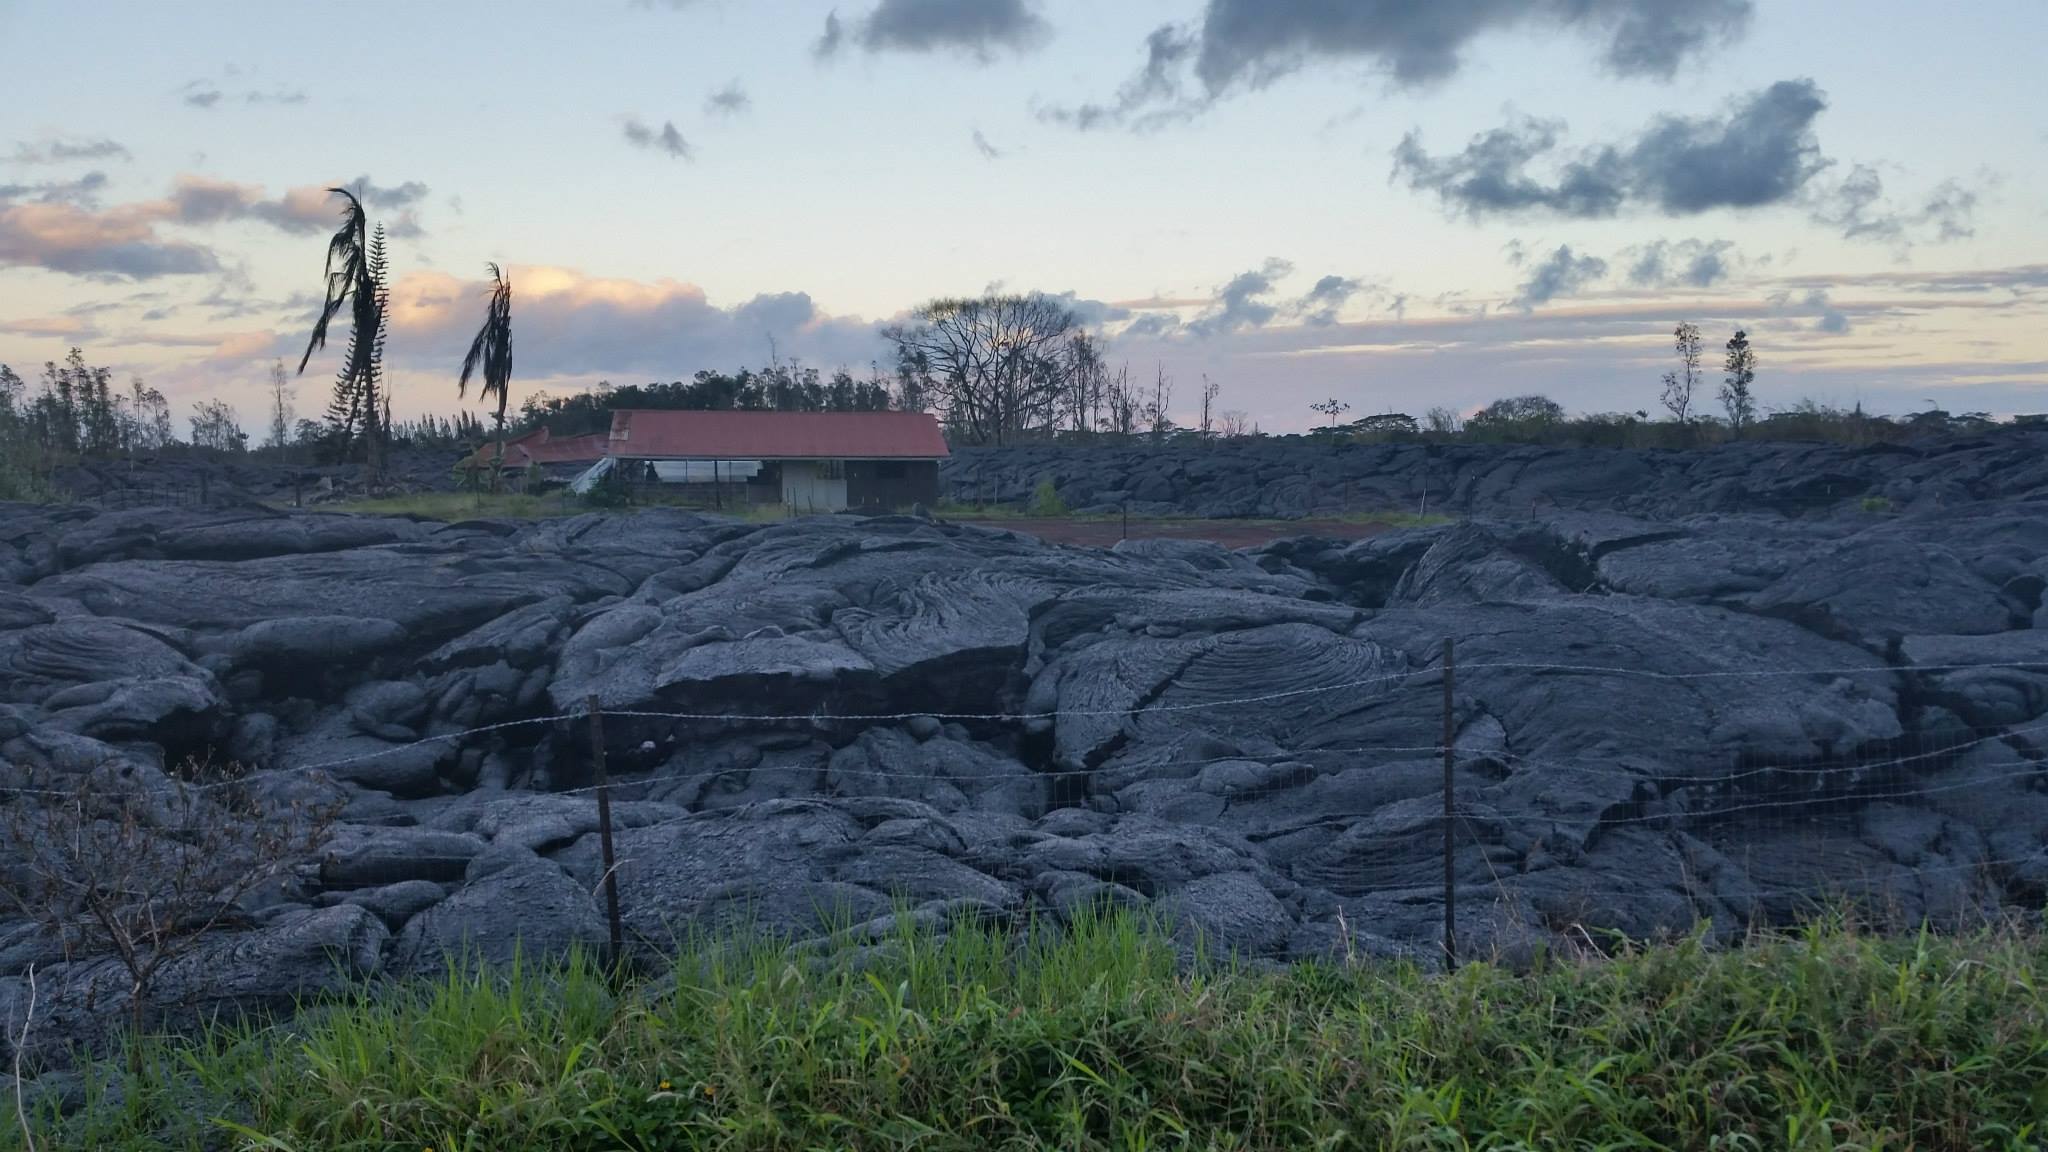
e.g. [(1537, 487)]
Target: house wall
[(814, 486), (878, 486)]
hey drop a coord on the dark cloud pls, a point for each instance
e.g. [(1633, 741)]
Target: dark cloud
[(83, 191), (730, 100), (830, 40), (1418, 41), (1237, 44), (988, 151), (1319, 306), (1559, 274), (1857, 206), (65, 151), (205, 97), (1151, 98), (1687, 263), (1759, 151), (1814, 302), (979, 28), (1151, 325), (1095, 314), (1240, 304), (668, 140)]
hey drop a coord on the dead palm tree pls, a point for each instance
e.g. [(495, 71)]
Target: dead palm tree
[(493, 349), (352, 277)]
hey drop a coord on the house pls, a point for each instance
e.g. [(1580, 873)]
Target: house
[(808, 461), (558, 458)]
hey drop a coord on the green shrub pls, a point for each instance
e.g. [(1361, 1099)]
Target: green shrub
[(1876, 504), (1045, 500)]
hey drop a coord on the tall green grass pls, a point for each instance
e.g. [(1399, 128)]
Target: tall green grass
[(1102, 1037)]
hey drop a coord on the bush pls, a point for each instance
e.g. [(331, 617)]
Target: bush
[(1876, 504), (1045, 500)]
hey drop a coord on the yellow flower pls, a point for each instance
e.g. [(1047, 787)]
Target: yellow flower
[(664, 1085), (711, 1090)]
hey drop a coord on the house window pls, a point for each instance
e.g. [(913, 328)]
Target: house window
[(891, 470)]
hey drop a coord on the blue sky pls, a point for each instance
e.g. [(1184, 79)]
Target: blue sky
[(1854, 182)]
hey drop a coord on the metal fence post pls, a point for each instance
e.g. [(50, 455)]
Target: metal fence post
[(604, 833), (1450, 811)]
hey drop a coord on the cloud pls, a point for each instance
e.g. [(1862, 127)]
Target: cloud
[(1239, 304), (1857, 206), (1095, 314), (1687, 263), (84, 191), (574, 324), (1248, 44), (988, 151), (1151, 325), (978, 28), (204, 93), (1560, 274), (119, 243), (1758, 151), (730, 100), (65, 151), (1151, 98), (1318, 307), (1816, 303), (668, 140), (63, 230), (67, 328)]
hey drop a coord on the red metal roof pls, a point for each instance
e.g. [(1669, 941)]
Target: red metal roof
[(539, 447), (650, 435)]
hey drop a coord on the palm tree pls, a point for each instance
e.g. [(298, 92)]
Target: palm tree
[(493, 349), (352, 273)]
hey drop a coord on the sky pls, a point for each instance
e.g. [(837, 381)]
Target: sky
[(1399, 204)]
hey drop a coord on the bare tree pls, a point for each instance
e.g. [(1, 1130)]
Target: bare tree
[(1236, 424), (1122, 399), (1680, 385), (1441, 421), (492, 348), (1157, 420), (996, 366), (1087, 377), (281, 392), (144, 867), (1210, 390)]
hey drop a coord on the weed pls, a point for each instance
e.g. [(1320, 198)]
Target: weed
[(1101, 1034)]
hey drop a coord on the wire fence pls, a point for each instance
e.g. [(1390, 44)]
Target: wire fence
[(1940, 824)]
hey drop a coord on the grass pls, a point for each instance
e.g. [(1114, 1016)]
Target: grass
[(1101, 1039)]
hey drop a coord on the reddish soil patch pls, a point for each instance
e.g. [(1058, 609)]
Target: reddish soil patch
[(1229, 533)]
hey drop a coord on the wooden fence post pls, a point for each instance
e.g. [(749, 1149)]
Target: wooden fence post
[(1450, 811), (604, 834)]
